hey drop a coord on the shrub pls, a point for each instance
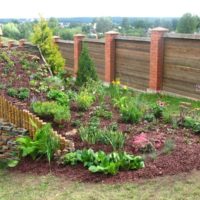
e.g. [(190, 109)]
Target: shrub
[(42, 36), (84, 100), (52, 109), (59, 96), (45, 143), (86, 69), (12, 92), (23, 93)]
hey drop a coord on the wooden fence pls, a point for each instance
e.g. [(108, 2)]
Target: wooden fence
[(22, 119), (182, 66), (168, 63), (132, 62), (97, 53)]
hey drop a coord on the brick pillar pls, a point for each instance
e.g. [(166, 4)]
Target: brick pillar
[(77, 51), (22, 42), (10, 44), (1, 44), (110, 56), (55, 39), (156, 58)]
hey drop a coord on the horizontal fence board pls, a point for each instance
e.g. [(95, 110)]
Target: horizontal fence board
[(181, 66), (191, 63), (132, 63), (134, 45), (67, 51), (186, 89), (133, 82), (97, 54)]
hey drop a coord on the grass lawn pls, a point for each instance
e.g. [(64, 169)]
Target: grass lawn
[(29, 187)]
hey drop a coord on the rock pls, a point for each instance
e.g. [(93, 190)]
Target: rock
[(71, 133)]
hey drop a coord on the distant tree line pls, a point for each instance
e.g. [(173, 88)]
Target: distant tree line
[(17, 29)]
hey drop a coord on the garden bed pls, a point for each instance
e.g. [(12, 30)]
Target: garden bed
[(167, 144)]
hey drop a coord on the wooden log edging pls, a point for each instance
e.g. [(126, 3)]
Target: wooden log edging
[(23, 119)]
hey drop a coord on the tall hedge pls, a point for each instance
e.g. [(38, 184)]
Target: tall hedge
[(43, 37), (86, 70)]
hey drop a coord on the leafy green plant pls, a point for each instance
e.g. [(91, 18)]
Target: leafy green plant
[(2, 86), (102, 112), (113, 126), (23, 93), (58, 112), (85, 100), (44, 143), (149, 117), (76, 123), (5, 57), (102, 162), (130, 113), (92, 134), (42, 36), (86, 70), (12, 92), (192, 123), (59, 96), (115, 138), (158, 109), (169, 146)]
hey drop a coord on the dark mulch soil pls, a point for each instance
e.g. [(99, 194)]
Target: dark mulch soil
[(184, 157)]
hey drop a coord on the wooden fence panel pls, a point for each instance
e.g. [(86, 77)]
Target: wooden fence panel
[(182, 66), (97, 54), (132, 62), (67, 50)]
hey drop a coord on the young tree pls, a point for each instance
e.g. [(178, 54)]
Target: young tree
[(104, 24), (86, 70), (43, 37), (187, 24)]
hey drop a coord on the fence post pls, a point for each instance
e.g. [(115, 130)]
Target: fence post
[(110, 56), (156, 58), (55, 39), (10, 44), (22, 42), (77, 51)]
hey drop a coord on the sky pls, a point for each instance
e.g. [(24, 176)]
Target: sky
[(97, 8)]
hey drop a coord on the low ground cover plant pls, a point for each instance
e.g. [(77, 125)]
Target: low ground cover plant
[(59, 96), (102, 162), (84, 100), (52, 109), (21, 93)]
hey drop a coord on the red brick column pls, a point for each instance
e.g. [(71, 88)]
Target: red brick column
[(156, 58), (110, 56), (10, 44), (22, 42), (55, 39), (77, 51)]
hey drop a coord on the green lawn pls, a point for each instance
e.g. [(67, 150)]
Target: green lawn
[(29, 187)]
